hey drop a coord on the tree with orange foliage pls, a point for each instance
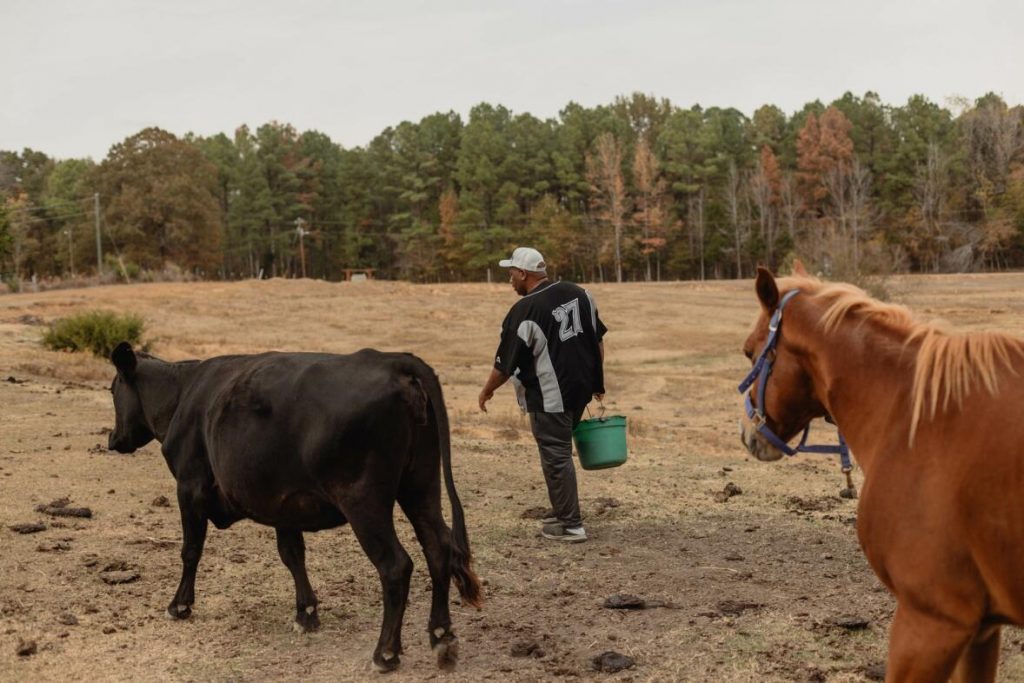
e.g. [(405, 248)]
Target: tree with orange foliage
[(834, 186), (822, 145), (448, 211), (650, 215)]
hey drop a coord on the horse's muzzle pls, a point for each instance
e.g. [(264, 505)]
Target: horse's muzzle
[(757, 445)]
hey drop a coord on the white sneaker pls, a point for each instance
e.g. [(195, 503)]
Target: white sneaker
[(556, 532)]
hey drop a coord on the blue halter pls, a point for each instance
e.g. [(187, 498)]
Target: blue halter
[(760, 372)]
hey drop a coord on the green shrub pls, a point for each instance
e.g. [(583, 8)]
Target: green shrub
[(96, 331)]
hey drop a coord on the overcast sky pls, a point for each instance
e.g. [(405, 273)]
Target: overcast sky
[(81, 75)]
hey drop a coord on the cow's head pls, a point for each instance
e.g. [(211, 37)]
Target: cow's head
[(131, 429)]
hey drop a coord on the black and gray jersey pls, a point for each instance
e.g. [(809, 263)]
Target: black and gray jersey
[(549, 346)]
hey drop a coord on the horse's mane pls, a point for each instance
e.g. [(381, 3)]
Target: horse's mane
[(949, 365)]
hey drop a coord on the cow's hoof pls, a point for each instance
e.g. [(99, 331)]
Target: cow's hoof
[(306, 620), (176, 611), (447, 651), (386, 661)]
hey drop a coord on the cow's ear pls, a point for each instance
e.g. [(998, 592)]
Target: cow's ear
[(124, 359), (798, 268), (767, 290)]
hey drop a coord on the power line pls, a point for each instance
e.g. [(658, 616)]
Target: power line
[(44, 219), (48, 207)]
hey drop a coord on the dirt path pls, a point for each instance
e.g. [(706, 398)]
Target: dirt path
[(749, 588)]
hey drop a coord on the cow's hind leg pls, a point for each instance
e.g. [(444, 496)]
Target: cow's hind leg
[(374, 526), (193, 526), (424, 512), (293, 553)]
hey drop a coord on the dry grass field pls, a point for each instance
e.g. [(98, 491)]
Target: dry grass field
[(749, 587)]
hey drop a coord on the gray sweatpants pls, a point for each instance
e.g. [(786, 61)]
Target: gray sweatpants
[(553, 432)]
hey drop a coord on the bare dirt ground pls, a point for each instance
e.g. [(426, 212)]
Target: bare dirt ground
[(751, 587)]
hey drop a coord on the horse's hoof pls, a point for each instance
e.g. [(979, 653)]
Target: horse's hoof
[(306, 620), (446, 649), (176, 611), (386, 661)]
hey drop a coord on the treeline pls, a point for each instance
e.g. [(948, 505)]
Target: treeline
[(635, 190)]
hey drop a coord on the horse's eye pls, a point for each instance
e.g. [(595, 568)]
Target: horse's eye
[(749, 354)]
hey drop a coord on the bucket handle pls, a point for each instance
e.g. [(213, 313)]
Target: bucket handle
[(600, 405)]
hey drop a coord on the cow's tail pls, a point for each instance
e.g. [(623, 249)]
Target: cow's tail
[(462, 559)]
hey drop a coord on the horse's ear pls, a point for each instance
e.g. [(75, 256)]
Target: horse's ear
[(123, 358), (798, 268), (767, 290)]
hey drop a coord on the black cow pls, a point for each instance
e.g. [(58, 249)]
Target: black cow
[(304, 442)]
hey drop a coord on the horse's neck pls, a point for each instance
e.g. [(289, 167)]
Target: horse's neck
[(863, 374)]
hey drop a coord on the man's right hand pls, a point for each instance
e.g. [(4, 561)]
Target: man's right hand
[(485, 396)]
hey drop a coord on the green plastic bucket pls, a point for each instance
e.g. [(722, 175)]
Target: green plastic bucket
[(601, 442)]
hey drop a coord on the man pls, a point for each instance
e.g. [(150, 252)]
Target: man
[(551, 347)]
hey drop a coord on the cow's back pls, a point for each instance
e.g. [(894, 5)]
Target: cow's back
[(280, 431)]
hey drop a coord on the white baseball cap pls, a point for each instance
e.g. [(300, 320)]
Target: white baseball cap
[(525, 258)]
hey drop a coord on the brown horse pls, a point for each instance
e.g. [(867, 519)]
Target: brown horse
[(934, 420)]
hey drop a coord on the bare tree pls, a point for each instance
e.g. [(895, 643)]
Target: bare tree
[(790, 201), (992, 132), (930, 189), (732, 202), (859, 188), (849, 186), (604, 170), (23, 241), (765, 189)]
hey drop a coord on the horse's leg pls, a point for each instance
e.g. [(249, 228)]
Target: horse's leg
[(979, 662), (423, 509), (923, 647), (292, 550)]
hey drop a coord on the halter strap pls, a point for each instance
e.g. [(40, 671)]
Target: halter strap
[(760, 372)]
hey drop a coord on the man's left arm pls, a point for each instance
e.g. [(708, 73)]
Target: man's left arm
[(495, 380)]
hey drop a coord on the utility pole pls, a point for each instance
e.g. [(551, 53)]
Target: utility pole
[(71, 250), (302, 248), (99, 247)]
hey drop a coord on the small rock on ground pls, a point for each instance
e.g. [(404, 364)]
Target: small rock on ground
[(728, 492), (117, 577), (526, 648), (53, 546), (611, 662), (851, 622), (734, 608), (59, 508), (624, 601)]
